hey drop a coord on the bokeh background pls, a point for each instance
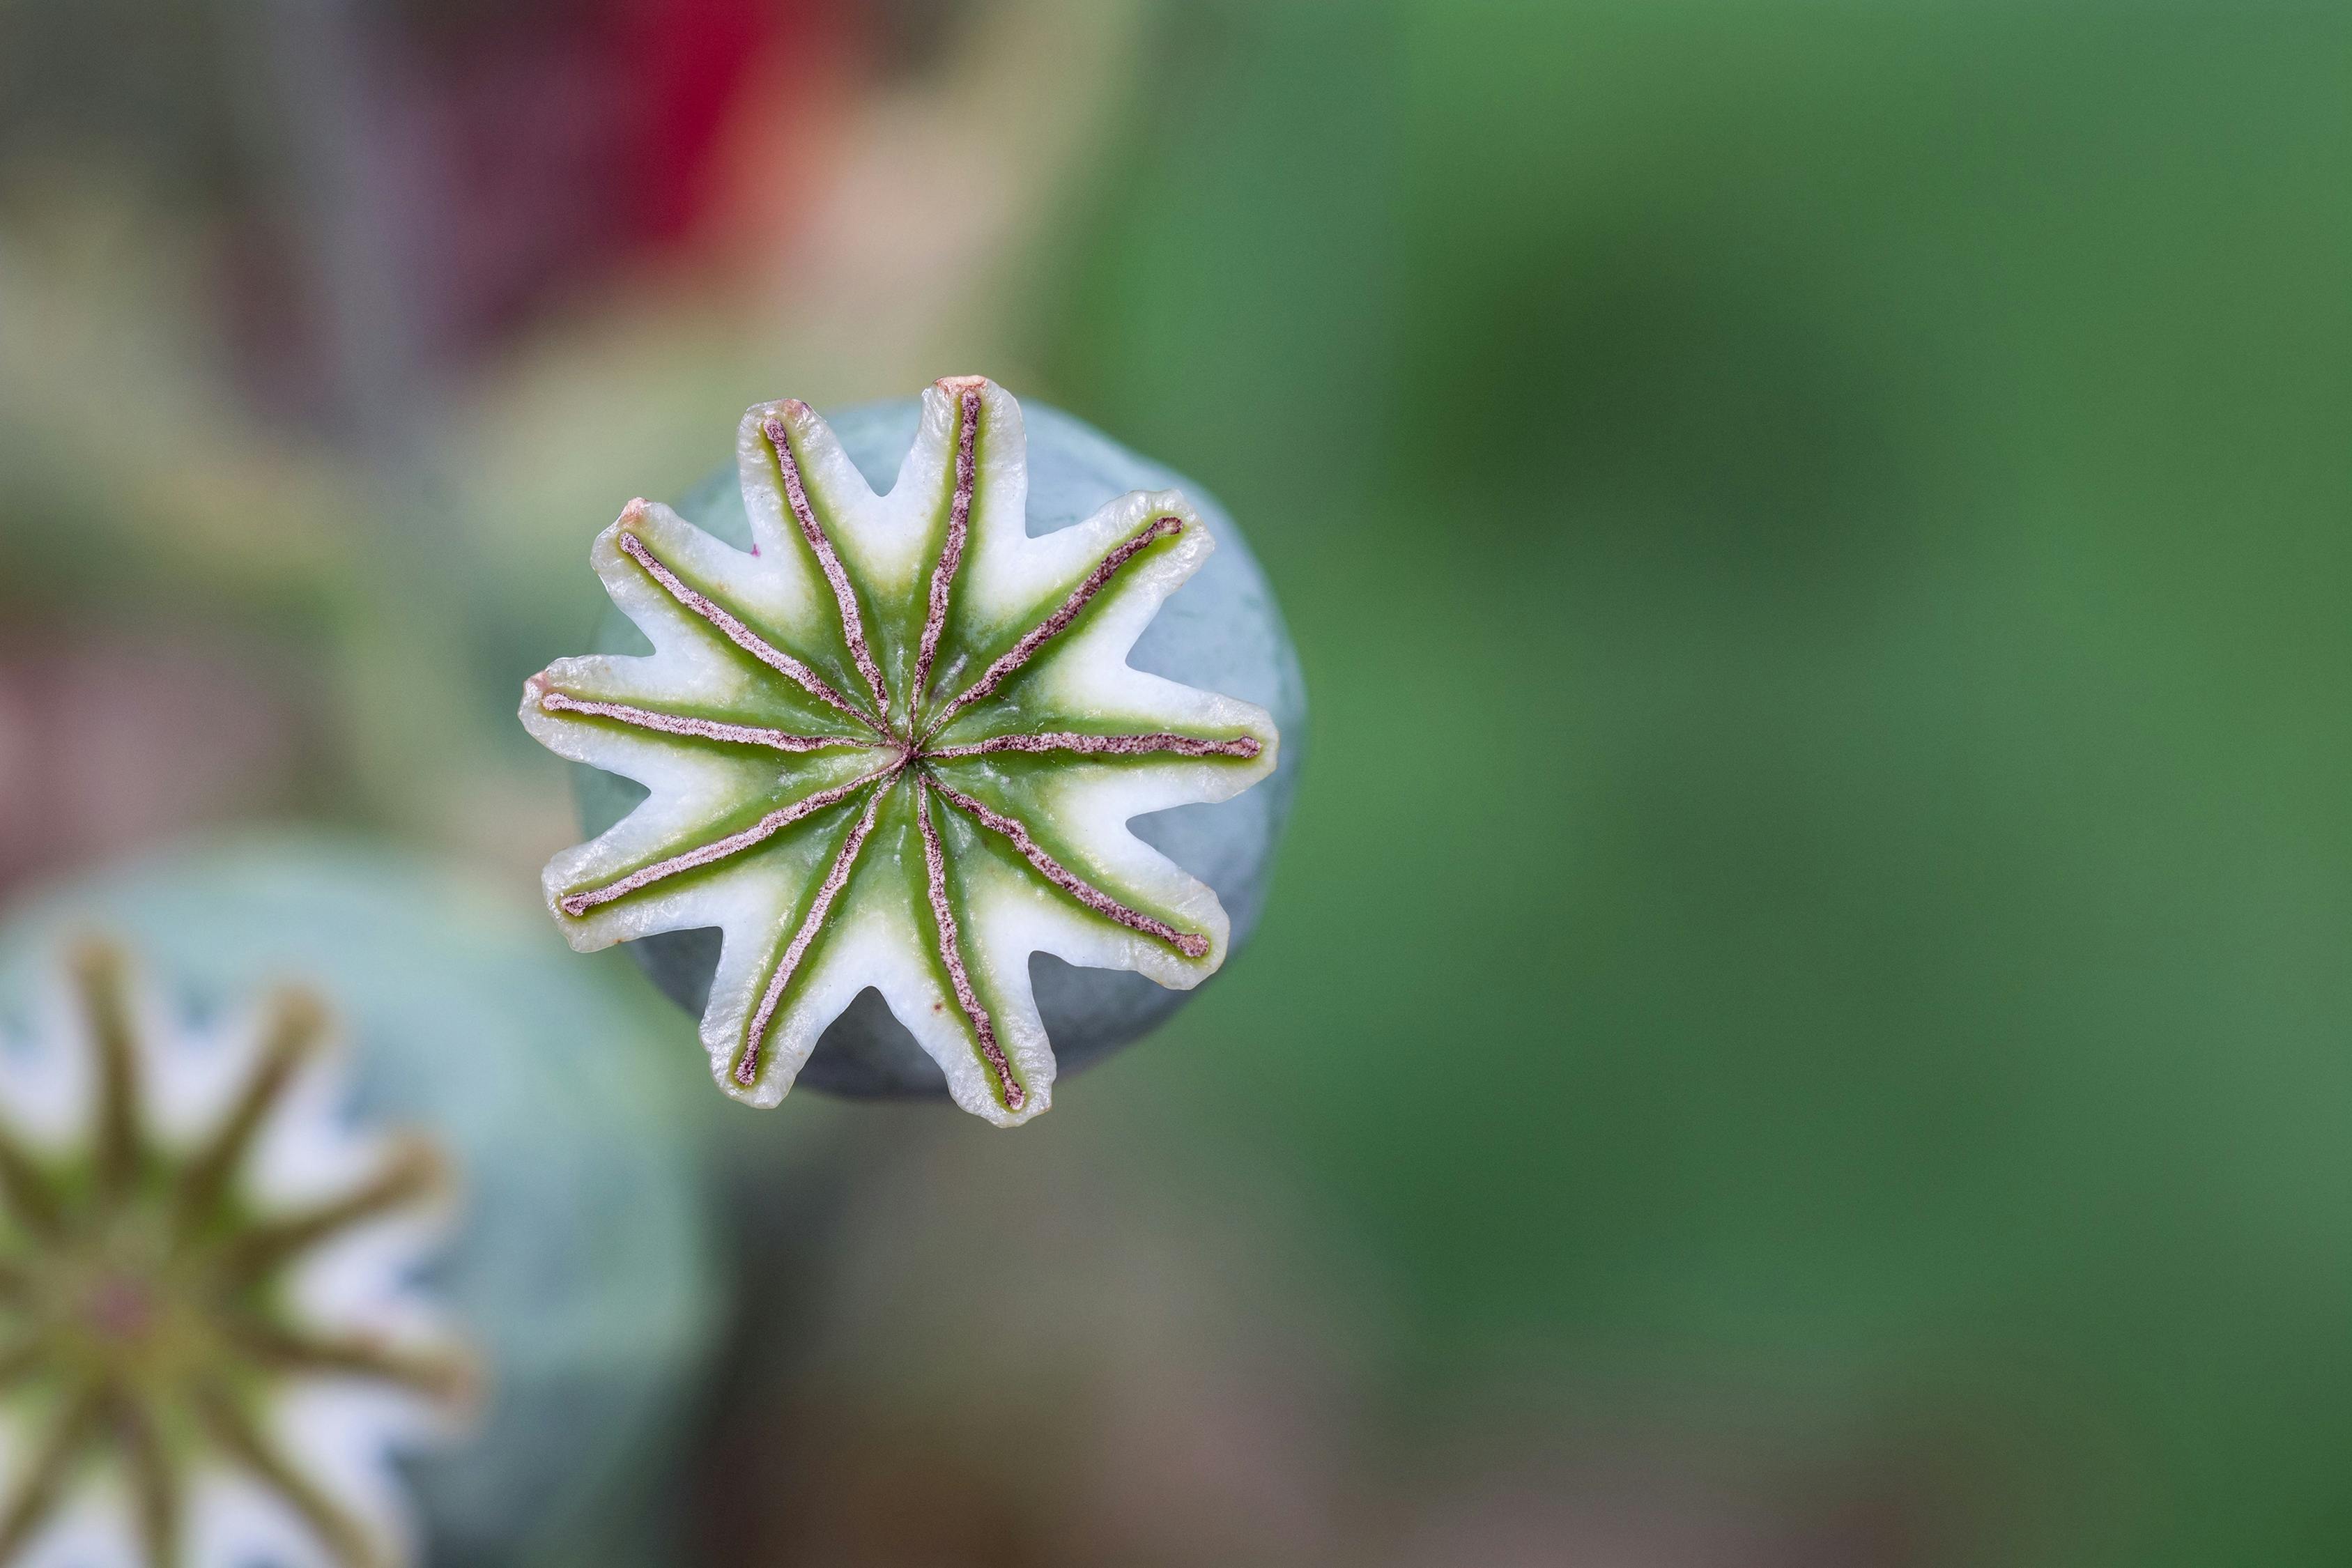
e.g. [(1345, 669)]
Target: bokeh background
[(1805, 1016)]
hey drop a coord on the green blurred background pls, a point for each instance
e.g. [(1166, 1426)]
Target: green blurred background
[(1804, 1017)]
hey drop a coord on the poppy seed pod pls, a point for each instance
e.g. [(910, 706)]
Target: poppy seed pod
[(964, 737), (571, 1259)]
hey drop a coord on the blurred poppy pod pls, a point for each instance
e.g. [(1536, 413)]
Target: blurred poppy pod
[(568, 1275)]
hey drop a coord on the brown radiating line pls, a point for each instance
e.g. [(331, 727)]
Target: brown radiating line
[(412, 1173), (39, 1486), (154, 1482), (437, 1375), (232, 1427), (297, 1021), (943, 576), (1058, 622), (951, 955), (1086, 893), (1102, 745), (853, 628), (98, 973), (768, 827), (741, 635), (747, 1071), (552, 702), (24, 1189)]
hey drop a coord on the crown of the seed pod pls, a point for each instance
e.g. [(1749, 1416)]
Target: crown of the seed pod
[(897, 745), (211, 1343)]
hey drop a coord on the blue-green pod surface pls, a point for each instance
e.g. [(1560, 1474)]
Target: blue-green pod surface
[(577, 1263), (1221, 633)]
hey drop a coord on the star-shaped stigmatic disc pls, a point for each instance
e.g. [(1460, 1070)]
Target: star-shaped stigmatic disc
[(212, 1340), (896, 745)]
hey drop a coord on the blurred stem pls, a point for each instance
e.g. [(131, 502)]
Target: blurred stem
[(320, 130)]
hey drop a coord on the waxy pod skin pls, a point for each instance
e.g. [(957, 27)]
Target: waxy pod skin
[(525, 1301), (962, 739)]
